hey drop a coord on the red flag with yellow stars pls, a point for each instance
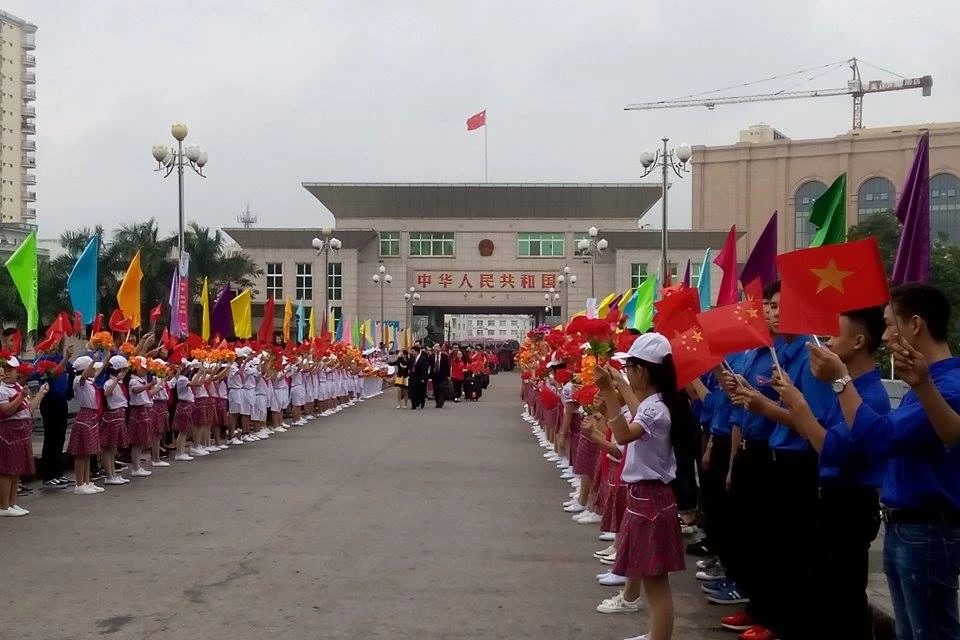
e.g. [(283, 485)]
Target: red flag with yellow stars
[(692, 356), (736, 327), (819, 284)]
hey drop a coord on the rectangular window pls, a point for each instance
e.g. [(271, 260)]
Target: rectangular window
[(275, 280), (695, 270), (432, 244), (389, 244), (491, 332), (337, 313), (304, 281), (335, 281), (535, 245), (490, 323), (638, 272)]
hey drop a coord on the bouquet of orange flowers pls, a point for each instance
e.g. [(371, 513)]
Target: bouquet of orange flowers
[(128, 349), (101, 341)]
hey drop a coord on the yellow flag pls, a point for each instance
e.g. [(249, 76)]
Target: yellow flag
[(287, 316), (311, 327), (604, 307), (128, 296), (205, 306), (242, 315)]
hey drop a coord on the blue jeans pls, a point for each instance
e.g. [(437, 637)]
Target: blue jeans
[(922, 563)]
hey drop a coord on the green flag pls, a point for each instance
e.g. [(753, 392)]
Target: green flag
[(22, 266), (829, 214), (639, 311)]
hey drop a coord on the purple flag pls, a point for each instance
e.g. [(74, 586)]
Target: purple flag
[(912, 263), (762, 262), (686, 274), (221, 318)]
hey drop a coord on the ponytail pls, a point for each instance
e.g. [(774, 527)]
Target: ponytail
[(684, 430)]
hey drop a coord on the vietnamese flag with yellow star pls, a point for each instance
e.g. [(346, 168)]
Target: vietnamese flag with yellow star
[(736, 327), (819, 284), (692, 356)]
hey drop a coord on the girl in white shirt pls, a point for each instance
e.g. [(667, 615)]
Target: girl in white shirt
[(183, 416), (113, 422), (140, 427), (16, 428), (85, 431)]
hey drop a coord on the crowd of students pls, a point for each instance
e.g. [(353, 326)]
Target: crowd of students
[(800, 462), (154, 401)]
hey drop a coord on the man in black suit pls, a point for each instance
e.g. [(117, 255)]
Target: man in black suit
[(439, 373), (419, 373)]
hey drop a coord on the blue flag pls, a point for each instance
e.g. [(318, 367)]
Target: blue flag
[(703, 283), (300, 321), (82, 282)]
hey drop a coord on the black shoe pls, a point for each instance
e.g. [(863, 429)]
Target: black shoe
[(99, 475), (23, 490), (699, 548)]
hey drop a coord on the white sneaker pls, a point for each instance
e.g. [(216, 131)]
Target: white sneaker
[(236, 440), (141, 473), (197, 451), (609, 551), (285, 425), (612, 580), (95, 487), (600, 576), (609, 560), (576, 507), (249, 438), (617, 604), (572, 501), (11, 513), (22, 511), (183, 457), (116, 480), (85, 490), (607, 536), (263, 434), (645, 636), (567, 475), (280, 430), (160, 463), (590, 518)]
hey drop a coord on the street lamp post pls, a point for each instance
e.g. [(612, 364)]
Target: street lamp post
[(552, 298), (566, 280), (412, 298), (666, 159), (594, 248), (325, 246), (381, 279), (170, 158)]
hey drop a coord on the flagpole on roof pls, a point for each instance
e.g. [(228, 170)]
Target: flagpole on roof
[(485, 145)]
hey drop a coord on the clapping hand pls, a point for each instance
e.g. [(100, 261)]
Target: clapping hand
[(909, 364)]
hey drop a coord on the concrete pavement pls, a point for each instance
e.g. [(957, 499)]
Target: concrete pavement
[(374, 523)]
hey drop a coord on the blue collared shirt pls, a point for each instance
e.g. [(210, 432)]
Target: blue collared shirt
[(921, 472), (718, 402), (757, 369), (795, 360), (840, 462), (59, 385)]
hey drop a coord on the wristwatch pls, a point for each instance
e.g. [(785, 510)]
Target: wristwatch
[(841, 384)]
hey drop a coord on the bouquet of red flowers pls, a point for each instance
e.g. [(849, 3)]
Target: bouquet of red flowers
[(562, 376), (45, 368), (586, 397)]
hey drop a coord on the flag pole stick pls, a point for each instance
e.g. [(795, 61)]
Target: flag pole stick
[(485, 147)]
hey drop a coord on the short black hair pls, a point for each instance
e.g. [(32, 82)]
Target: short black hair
[(871, 323), (771, 290), (927, 302)]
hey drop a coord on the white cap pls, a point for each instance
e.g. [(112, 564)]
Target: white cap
[(650, 347), (243, 352), (12, 361), (139, 361), (81, 363), (119, 362)]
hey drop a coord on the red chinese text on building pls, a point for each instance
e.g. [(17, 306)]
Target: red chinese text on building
[(445, 280), (506, 280), (424, 279), (486, 280), (548, 280), (528, 281), (466, 281)]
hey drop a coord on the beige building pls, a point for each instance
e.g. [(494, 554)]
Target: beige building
[(745, 183), (17, 124), (468, 249), (465, 327)]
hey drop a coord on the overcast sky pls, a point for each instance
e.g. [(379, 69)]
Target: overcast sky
[(374, 91)]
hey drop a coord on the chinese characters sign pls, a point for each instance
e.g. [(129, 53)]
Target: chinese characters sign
[(484, 280)]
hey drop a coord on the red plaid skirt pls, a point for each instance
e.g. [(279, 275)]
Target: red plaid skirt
[(161, 417), (113, 427), (16, 447), (221, 406), (614, 498), (85, 434), (649, 541), (204, 412), (183, 418), (141, 428), (584, 452)]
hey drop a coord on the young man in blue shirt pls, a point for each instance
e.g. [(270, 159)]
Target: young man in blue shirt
[(53, 410), (920, 488)]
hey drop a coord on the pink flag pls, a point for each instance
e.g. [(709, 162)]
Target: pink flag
[(477, 120), (727, 261)]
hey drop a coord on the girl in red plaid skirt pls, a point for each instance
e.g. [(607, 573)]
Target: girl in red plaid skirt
[(16, 427)]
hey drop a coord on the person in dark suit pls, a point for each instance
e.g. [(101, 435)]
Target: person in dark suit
[(439, 373), (419, 373)]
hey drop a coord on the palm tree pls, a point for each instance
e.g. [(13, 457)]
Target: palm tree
[(156, 261)]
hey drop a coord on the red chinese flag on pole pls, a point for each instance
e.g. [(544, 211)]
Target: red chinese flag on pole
[(819, 284), (753, 290), (692, 355), (97, 324), (477, 120), (118, 323), (674, 311), (155, 313), (265, 332), (736, 327)]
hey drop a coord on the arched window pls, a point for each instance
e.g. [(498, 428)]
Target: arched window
[(806, 195), (875, 195), (945, 207)]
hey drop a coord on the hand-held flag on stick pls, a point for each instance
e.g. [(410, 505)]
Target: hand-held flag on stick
[(22, 266), (704, 282), (311, 325), (287, 316), (819, 284), (762, 261), (912, 263), (727, 261), (829, 214), (155, 313), (242, 315), (221, 318), (119, 323), (128, 296), (736, 327), (82, 282), (205, 310), (265, 331), (692, 356)]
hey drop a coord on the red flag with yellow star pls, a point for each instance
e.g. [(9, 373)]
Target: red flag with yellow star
[(736, 327), (819, 284), (692, 356)]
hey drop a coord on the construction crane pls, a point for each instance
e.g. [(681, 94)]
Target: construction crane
[(855, 87)]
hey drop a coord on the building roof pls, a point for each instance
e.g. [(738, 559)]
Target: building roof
[(487, 200), (20, 22), (257, 237), (685, 239)]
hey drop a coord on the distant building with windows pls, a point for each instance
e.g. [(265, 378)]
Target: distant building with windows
[(18, 126), (745, 183), (465, 327), (468, 250)]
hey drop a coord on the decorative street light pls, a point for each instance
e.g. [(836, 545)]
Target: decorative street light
[(381, 279), (666, 159), (552, 298), (170, 158), (566, 280), (412, 298), (591, 246), (325, 246)]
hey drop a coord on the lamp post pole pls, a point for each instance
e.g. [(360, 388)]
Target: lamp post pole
[(666, 159), (169, 159), (593, 247), (325, 245), (381, 278), (566, 280)]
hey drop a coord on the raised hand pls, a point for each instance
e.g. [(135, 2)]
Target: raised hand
[(909, 364)]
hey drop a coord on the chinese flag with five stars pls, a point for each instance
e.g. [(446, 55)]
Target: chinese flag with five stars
[(736, 327), (692, 355), (477, 120), (819, 284)]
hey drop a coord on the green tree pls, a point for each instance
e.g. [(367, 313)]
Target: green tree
[(209, 258)]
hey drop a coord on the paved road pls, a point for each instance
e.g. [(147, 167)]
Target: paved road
[(375, 523)]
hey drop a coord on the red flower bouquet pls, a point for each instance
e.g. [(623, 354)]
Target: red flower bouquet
[(586, 397), (562, 376)]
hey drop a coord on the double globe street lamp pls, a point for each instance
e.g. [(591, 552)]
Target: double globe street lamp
[(675, 160), (324, 246), (411, 297), (566, 280), (381, 279), (593, 247), (170, 158)]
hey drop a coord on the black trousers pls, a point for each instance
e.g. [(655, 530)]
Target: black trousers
[(54, 414), (457, 388), (418, 393), (716, 499), (849, 519), (440, 391), (751, 505)]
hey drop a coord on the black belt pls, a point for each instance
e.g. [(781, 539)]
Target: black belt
[(946, 517), (754, 445)]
